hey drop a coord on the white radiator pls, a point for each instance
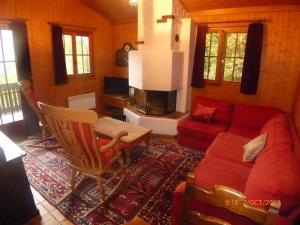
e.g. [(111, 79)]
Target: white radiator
[(84, 101)]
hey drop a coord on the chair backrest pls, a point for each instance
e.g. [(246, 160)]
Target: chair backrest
[(74, 129), (227, 198), (31, 98)]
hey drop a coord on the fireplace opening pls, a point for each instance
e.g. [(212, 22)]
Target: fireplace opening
[(158, 103)]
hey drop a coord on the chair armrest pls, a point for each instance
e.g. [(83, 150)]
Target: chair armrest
[(114, 141), (232, 200)]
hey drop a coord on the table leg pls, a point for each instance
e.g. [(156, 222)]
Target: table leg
[(128, 155), (147, 140)]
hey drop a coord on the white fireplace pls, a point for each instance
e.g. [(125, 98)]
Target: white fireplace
[(164, 62)]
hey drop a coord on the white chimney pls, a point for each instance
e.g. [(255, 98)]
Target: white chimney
[(163, 62)]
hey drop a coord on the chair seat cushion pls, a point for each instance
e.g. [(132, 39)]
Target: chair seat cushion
[(229, 147), (109, 154)]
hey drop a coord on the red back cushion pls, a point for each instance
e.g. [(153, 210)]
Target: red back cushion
[(31, 95), (203, 113), (223, 108), (275, 176), (252, 116), (277, 129)]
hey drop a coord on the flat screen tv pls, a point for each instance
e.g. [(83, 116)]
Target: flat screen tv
[(116, 86)]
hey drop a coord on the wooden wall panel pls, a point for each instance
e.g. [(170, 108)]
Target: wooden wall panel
[(280, 65), (73, 12), (121, 34), (296, 108)]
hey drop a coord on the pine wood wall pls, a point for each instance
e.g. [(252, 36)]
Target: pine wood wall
[(73, 12), (296, 111), (280, 65), (122, 33)]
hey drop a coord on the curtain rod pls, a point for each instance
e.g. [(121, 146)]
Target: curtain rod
[(73, 26), (237, 21)]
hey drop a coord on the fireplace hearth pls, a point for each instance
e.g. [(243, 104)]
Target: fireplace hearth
[(157, 103)]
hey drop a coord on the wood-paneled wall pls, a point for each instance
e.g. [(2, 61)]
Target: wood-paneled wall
[(296, 109), (280, 64), (73, 12), (122, 33)]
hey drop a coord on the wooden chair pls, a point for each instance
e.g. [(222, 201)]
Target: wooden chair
[(32, 100), (227, 198), (87, 154)]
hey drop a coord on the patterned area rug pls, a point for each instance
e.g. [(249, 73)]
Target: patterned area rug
[(147, 190)]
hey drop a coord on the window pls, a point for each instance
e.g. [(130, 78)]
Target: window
[(77, 53), (224, 55), (10, 104)]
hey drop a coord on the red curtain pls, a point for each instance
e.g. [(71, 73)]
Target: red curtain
[(199, 59), (23, 65), (251, 68), (59, 60)]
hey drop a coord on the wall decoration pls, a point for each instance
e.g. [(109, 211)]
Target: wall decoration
[(122, 54)]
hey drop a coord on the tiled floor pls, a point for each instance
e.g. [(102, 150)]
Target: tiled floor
[(49, 214)]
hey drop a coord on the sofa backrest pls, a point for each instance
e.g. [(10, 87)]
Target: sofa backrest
[(252, 116), (224, 108), (277, 129), (275, 176)]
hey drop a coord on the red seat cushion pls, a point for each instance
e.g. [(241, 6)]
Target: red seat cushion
[(198, 135), (223, 108), (229, 147), (252, 116), (244, 131), (275, 176), (109, 154), (201, 129), (213, 170)]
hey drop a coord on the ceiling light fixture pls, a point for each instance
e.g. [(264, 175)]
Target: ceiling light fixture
[(133, 2)]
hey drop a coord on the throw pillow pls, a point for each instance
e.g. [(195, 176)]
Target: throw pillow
[(203, 113), (254, 147)]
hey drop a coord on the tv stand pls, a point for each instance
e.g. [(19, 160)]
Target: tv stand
[(112, 105)]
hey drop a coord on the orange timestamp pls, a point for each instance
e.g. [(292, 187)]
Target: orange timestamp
[(256, 202)]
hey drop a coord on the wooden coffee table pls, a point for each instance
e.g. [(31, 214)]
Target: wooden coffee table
[(109, 127)]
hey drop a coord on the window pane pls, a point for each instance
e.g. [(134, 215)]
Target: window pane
[(206, 68), (1, 56), (2, 74), (228, 69), (69, 64), (231, 41), (68, 44), (86, 63), (85, 45), (11, 72), (8, 47), (207, 44), (79, 45), (79, 65), (212, 68), (214, 44), (241, 44), (238, 69)]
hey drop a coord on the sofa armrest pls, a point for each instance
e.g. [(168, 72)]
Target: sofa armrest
[(228, 198)]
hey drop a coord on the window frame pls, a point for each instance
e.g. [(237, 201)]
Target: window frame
[(73, 34), (222, 47)]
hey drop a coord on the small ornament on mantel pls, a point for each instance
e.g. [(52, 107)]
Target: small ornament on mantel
[(122, 54)]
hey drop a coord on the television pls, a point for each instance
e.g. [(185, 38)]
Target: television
[(116, 86)]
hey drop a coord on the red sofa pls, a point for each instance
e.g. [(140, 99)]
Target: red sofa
[(274, 175)]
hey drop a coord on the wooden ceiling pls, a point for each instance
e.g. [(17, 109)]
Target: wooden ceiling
[(119, 11)]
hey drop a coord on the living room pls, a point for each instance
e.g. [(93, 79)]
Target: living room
[(179, 86)]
